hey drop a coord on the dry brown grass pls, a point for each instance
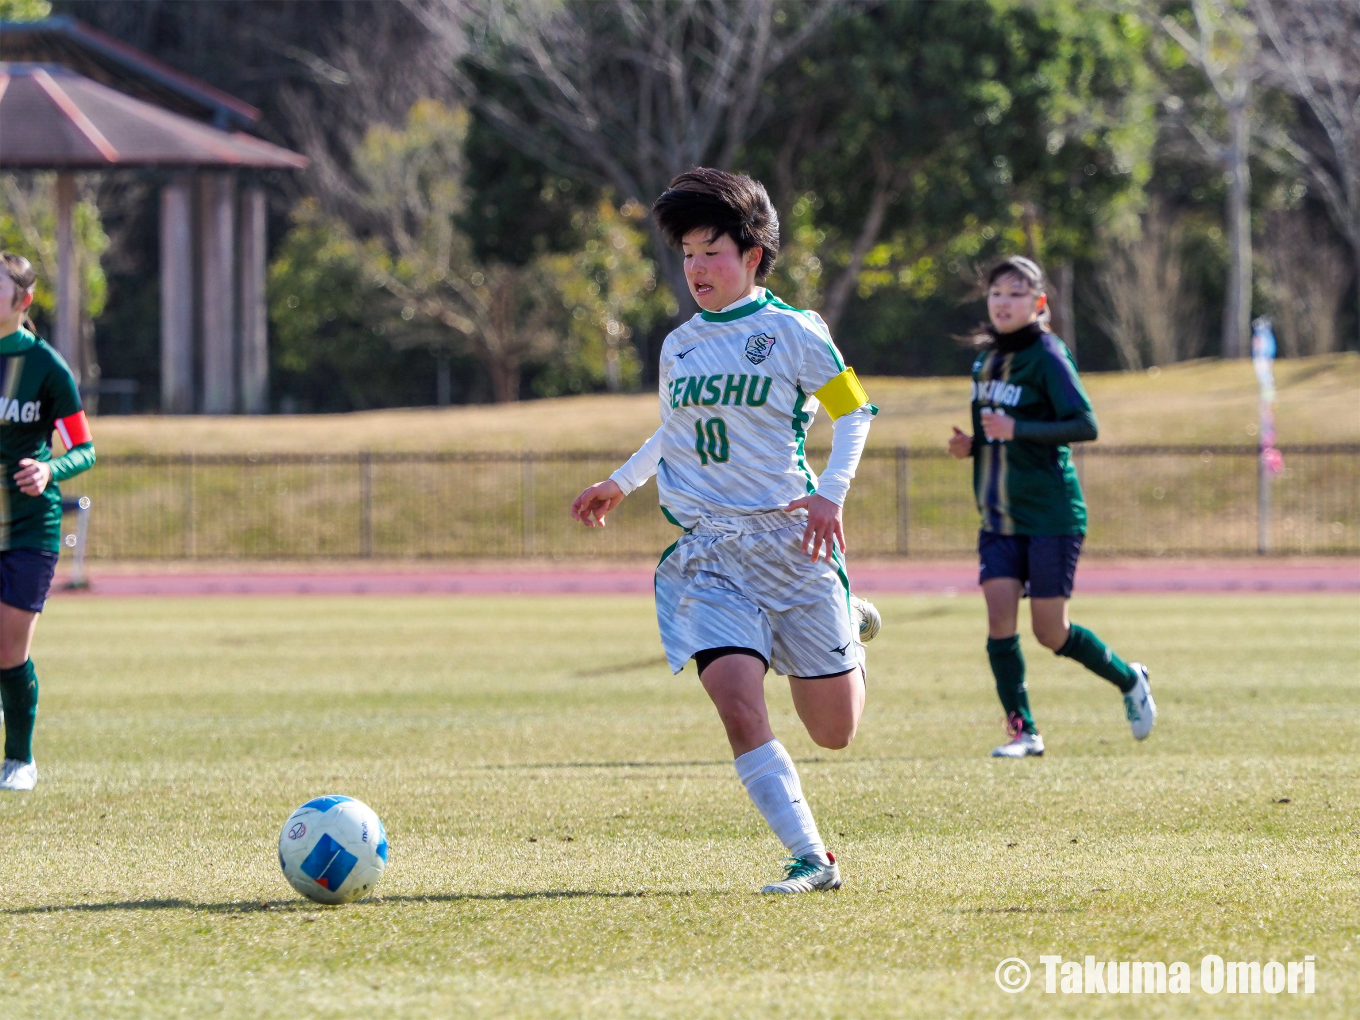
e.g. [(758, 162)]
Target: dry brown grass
[(1197, 402)]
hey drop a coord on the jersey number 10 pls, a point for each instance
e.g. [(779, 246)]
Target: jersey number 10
[(710, 441)]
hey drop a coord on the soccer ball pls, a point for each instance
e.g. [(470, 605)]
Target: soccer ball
[(333, 849)]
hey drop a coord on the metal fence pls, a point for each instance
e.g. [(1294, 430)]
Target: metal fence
[(1144, 501)]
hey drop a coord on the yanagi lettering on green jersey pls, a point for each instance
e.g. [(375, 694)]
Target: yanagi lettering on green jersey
[(997, 391), (723, 389)]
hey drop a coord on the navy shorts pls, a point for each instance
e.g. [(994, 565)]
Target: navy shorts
[(26, 578), (1046, 564)]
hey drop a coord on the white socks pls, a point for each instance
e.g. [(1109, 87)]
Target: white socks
[(772, 781)]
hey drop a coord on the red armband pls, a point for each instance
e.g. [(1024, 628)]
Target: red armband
[(74, 430)]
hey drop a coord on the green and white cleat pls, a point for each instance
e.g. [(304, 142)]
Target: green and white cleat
[(807, 874), (18, 775), (1139, 708), (870, 623), (1023, 745)]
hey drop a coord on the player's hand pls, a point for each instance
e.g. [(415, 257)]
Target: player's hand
[(591, 506), (960, 444), (33, 476), (823, 526), (998, 425)]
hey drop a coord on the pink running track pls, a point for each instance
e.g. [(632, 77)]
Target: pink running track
[(869, 578)]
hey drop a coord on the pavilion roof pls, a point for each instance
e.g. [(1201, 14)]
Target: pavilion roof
[(112, 62), (52, 118)]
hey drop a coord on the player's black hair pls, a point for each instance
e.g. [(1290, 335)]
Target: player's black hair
[(21, 271), (731, 204)]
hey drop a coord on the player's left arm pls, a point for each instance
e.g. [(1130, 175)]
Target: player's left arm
[(72, 426), (1074, 419), (838, 389)]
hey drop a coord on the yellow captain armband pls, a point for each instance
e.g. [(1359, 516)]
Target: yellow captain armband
[(842, 394)]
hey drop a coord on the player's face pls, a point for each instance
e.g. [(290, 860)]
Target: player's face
[(716, 271), (1011, 303), (13, 300)]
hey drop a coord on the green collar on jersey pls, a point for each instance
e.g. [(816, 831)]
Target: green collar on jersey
[(750, 308), (17, 342)]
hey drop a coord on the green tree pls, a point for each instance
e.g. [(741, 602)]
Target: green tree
[(953, 131), (608, 290), (425, 288), (24, 10)]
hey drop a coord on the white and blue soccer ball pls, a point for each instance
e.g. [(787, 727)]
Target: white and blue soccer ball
[(333, 849)]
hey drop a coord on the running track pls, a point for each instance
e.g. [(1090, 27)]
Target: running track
[(911, 577)]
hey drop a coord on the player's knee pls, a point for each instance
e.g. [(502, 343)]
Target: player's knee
[(741, 720), (1051, 638), (834, 737)]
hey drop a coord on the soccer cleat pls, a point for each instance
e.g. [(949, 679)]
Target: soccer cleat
[(1023, 745), (870, 623), (1139, 708), (18, 775), (807, 874)]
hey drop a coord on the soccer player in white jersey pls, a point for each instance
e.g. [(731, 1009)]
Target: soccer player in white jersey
[(757, 580)]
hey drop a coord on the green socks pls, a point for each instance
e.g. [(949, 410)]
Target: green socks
[(1008, 666), (1093, 653), (19, 694)]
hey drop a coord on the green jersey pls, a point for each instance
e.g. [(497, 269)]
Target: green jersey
[(38, 395), (1028, 485)]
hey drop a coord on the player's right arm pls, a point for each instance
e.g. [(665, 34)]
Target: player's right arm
[(960, 444), (591, 506)]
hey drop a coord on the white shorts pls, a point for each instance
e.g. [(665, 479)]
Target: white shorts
[(743, 582)]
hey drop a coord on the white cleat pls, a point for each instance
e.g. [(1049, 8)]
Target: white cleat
[(1022, 745), (18, 775), (870, 623), (807, 874), (1139, 708)]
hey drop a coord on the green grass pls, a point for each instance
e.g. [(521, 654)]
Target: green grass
[(569, 839)]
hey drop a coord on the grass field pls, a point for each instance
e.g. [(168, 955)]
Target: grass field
[(569, 839), (1196, 402)]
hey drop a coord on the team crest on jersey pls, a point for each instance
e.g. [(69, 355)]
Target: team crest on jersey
[(759, 347)]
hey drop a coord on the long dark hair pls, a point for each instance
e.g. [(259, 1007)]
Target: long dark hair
[(21, 271), (1025, 269)]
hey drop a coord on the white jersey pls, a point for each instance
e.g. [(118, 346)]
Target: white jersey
[(736, 392)]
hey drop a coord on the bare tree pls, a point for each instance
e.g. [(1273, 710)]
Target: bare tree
[(626, 92), (1146, 305), (1315, 54), (1223, 44), (1307, 284)]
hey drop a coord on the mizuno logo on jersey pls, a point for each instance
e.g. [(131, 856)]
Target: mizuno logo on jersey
[(759, 347), (27, 412), (994, 391), (707, 390), (682, 354)]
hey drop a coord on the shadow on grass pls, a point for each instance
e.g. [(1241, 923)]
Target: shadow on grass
[(295, 906), (533, 766)]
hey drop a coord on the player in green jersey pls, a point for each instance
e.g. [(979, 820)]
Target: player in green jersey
[(38, 396), (1028, 406)]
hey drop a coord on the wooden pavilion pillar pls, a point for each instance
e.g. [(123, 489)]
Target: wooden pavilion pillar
[(217, 244), (68, 280), (177, 296), (254, 314)]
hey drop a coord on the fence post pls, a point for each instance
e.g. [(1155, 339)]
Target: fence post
[(1262, 508), (903, 506), (526, 506), (190, 537), (366, 503)]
